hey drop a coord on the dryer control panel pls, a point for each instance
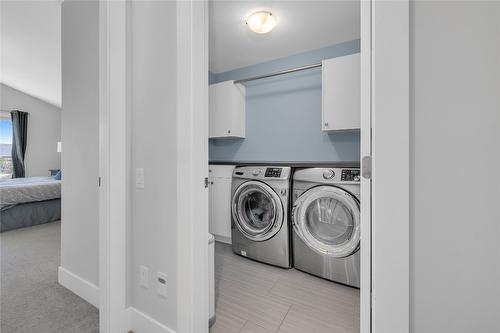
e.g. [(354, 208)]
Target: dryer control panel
[(273, 172), (350, 175)]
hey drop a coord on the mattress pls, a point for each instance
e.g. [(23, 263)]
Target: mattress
[(23, 190), (30, 214)]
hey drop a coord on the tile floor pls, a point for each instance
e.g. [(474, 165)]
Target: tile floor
[(258, 298)]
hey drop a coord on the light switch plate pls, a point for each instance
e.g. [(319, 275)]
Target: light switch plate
[(139, 178), (144, 276), (161, 284)]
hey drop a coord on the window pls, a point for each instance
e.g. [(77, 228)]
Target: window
[(5, 146)]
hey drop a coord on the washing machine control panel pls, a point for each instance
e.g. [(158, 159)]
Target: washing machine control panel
[(273, 172), (350, 175)]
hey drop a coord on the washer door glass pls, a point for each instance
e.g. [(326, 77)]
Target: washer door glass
[(326, 218), (257, 210)]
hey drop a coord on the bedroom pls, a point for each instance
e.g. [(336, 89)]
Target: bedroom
[(45, 214)]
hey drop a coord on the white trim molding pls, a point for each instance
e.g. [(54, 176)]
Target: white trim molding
[(112, 156), (140, 322), (390, 111), (78, 285), (366, 151), (192, 166), (223, 239)]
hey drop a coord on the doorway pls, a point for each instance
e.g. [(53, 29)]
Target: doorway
[(193, 61), (284, 176)]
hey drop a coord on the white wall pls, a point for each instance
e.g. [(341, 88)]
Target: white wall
[(80, 137), (44, 130), (30, 32), (154, 148), (455, 157)]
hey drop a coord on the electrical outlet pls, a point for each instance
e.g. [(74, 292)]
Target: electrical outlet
[(161, 284), (144, 276), (139, 178)]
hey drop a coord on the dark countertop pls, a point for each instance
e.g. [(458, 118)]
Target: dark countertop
[(304, 164)]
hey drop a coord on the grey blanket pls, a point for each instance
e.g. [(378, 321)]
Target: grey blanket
[(22, 190)]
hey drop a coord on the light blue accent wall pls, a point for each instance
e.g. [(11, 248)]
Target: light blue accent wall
[(283, 114)]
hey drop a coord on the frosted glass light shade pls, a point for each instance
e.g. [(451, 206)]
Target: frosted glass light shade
[(261, 22), (59, 146)]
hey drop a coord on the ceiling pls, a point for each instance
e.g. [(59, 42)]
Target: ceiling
[(302, 26), (31, 37), (31, 48)]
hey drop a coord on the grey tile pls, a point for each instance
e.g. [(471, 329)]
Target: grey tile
[(254, 328), (261, 310), (226, 322), (301, 319), (315, 294), (267, 299)]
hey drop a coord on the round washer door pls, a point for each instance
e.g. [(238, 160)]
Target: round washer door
[(257, 210), (326, 218)]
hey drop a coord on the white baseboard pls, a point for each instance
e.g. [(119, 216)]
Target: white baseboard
[(79, 286), (223, 239), (142, 323)]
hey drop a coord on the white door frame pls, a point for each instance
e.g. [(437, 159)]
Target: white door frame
[(112, 167), (386, 101), (192, 162), (192, 165), (385, 109), (366, 150)]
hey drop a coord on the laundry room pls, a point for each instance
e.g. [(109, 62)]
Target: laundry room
[(284, 157)]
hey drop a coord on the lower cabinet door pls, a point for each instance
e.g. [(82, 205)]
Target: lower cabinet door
[(220, 208)]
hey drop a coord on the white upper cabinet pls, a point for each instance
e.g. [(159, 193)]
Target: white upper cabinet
[(341, 85), (226, 110)]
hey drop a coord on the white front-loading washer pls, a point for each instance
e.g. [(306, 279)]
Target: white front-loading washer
[(260, 227), (326, 223)]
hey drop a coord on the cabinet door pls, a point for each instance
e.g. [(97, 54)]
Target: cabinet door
[(341, 86), (221, 208), (211, 219), (218, 121), (226, 110)]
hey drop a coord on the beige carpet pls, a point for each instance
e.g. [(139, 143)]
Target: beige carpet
[(31, 299)]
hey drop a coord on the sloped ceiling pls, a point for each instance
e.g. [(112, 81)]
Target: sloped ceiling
[(302, 26), (31, 48)]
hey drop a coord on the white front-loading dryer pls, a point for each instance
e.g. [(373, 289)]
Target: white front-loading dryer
[(260, 227), (326, 223)]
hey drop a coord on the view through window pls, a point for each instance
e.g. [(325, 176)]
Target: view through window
[(5, 147)]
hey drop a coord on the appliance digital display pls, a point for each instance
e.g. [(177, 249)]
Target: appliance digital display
[(350, 175), (273, 172)]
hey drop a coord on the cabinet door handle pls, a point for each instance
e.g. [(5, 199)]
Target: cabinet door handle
[(326, 124), (228, 131)]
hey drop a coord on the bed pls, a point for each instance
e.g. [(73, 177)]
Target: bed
[(29, 201)]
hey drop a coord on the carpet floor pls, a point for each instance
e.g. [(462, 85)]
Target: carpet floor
[(31, 300)]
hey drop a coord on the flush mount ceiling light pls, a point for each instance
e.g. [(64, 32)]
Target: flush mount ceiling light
[(261, 22)]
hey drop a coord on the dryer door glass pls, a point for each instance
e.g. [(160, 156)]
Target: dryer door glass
[(326, 218), (330, 221), (257, 210)]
